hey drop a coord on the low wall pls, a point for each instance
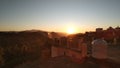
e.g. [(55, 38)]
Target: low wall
[(57, 51), (74, 55)]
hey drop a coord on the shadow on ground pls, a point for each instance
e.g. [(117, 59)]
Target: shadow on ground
[(64, 62)]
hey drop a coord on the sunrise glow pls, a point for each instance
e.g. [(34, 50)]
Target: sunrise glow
[(71, 30)]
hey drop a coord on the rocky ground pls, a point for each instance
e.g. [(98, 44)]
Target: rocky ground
[(64, 62)]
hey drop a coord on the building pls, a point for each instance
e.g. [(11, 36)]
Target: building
[(99, 29)]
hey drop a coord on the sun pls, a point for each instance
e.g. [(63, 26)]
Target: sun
[(71, 30)]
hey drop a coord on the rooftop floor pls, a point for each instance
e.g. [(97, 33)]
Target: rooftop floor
[(65, 62)]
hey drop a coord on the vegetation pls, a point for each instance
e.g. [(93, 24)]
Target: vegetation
[(19, 47)]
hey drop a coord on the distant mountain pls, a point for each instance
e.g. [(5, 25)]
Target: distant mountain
[(34, 30)]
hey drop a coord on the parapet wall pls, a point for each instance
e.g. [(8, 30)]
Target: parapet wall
[(74, 55)]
